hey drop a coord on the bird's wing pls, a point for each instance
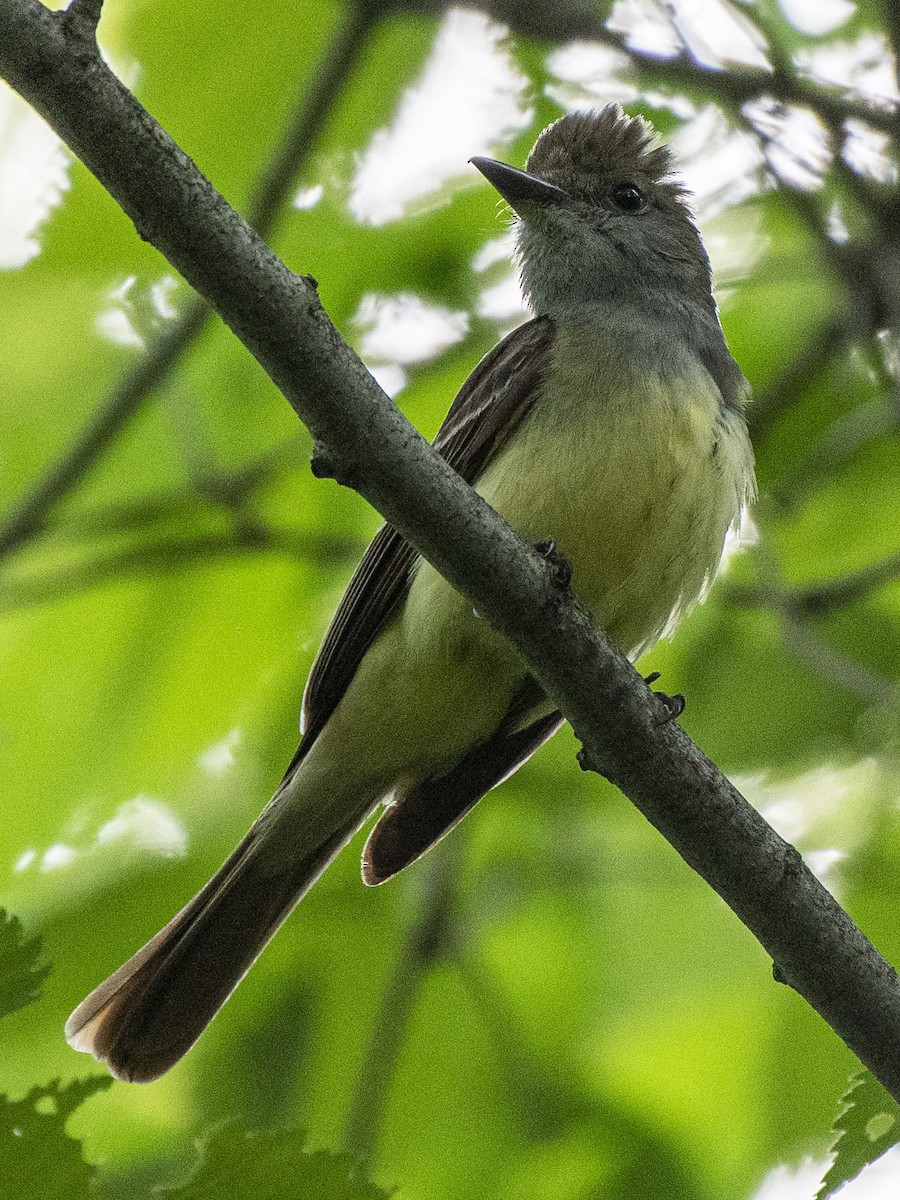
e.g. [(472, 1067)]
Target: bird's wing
[(489, 406), (420, 818)]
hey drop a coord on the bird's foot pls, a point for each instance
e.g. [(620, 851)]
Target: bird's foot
[(560, 567), (674, 705)]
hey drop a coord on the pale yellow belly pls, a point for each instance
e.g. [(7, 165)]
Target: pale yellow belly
[(640, 502), (638, 497)]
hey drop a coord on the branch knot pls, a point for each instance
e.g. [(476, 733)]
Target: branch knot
[(80, 21)]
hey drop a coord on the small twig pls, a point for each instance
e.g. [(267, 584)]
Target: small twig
[(550, 1098), (891, 13), (827, 341), (866, 192), (837, 593), (792, 608), (838, 444), (310, 115), (540, 1095), (80, 20), (29, 515), (223, 489), (736, 86)]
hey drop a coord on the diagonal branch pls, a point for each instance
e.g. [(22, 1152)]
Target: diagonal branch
[(61, 477), (835, 593), (816, 947), (32, 510)]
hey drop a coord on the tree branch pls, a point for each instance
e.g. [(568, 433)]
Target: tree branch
[(810, 649), (29, 515), (311, 112), (826, 341), (837, 446), (835, 593), (891, 16), (816, 947), (736, 87)]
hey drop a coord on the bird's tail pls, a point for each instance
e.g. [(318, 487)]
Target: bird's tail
[(146, 1015)]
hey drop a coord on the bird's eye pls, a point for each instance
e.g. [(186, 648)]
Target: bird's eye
[(628, 197)]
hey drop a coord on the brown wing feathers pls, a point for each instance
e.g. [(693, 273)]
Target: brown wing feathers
[(487, 409), (424, 815), (489, 406)]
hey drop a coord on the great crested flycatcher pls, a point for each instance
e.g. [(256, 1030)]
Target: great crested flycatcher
[(612, 423)]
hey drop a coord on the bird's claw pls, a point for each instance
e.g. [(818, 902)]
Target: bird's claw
[(674, 705), (560, 567)]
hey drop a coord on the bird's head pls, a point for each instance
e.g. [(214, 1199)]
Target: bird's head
[(601, 218)]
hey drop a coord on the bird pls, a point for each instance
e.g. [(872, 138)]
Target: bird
[(612, 423)]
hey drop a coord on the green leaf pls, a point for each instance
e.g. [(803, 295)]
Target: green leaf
[(868, 1126), (270, 1166), (21, 973), (37, 1157)]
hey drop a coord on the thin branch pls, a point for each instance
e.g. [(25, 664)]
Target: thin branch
[(867, 193), (795, 609), (737, 89), (857, 265), (837, 593), (541, 1096), (169, 555), (827, 341), (808, 647), (29, 515), (625, 730), (311, 113), (425, 940), (736, 86), (891, 14), (224, 489), (733, 87), (838, 444), (819, 599), (550, 1098)]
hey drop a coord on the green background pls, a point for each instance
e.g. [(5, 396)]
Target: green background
[(594, 1022)]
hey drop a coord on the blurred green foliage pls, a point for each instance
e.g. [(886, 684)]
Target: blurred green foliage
[(594, 1022), (37, 1156), (270, 1166), (22, 974), (866, 1128)]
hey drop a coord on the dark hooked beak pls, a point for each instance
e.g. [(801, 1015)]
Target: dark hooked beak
[(518, 187)]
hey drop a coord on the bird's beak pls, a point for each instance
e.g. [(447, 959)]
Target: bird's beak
[(518, 187)]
